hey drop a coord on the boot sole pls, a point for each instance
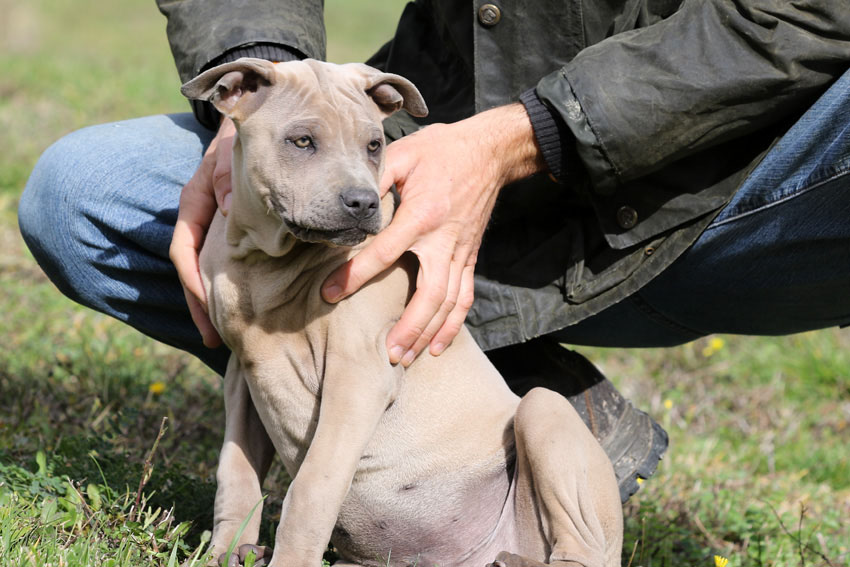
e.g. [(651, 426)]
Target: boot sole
[(635, 446)]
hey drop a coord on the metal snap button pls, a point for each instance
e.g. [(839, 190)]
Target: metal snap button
[(489, 15), (627, 217)]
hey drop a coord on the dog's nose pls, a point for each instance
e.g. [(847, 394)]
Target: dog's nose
[(359, 203)]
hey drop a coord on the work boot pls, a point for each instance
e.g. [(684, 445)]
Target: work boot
[(632, 440)]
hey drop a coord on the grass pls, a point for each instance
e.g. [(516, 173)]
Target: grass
[(758, 469)]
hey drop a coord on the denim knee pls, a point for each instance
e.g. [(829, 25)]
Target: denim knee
[(98, 212), (101, 202), (47, 207)]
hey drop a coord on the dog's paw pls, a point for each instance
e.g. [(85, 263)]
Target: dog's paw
[(505, 559), (261, 556)]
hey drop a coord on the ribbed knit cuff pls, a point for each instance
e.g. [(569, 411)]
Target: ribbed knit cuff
[(554, 138), (204, 111)]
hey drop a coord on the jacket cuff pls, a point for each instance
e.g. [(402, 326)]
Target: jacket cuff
[(268, 51), (204, 111), (556, 142)]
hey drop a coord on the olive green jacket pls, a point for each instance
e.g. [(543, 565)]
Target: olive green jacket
[(663, 107)]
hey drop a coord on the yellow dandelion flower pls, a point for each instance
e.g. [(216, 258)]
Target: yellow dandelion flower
[(720, 561), (668, 404), (156, 388), (714, 345)]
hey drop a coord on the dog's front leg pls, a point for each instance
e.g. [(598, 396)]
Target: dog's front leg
[(352, 403), (245, 458)]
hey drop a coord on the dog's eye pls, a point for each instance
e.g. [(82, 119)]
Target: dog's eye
[(303, 142), (374, 146)]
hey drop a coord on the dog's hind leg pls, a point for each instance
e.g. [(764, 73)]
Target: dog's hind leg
[(566, 489), (246, 456)]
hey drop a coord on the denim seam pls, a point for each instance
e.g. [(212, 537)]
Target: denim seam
[(781, 200)]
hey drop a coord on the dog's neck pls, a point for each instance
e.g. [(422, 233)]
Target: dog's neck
[(251, 244), (251, 226)]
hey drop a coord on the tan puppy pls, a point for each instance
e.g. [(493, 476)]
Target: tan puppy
[(436, 464)]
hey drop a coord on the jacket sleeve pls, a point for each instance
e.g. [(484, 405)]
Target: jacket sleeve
[(204, 33), (200, 31), (714, 71)]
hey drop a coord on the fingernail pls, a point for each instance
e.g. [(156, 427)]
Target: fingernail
[(395, 354), (438, 349), (225, 203), (407, 360), (332, 292)]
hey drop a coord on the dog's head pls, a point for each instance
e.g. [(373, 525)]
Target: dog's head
[(310, 144)]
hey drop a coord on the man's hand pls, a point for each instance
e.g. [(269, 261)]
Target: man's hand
[(448, 176), (208, 190)]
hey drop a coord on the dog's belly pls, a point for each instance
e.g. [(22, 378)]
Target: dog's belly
[(447, 519)]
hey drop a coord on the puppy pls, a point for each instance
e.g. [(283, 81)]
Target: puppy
[(436, 464)]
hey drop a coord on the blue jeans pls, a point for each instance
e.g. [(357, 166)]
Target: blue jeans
[(100, 206)]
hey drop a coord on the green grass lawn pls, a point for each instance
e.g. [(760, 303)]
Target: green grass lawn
[(758, 469)]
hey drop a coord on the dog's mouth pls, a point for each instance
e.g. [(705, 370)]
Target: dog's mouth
[(316, 231), (340, 237)]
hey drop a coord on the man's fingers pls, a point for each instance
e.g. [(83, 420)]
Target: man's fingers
[(184, 256), (197, 200), (456, 318), (189, 232), (197, 207), (417, 316), (202, 321), (195, 213), (436, 290), (397, 167), (439, 318), (388, 179)]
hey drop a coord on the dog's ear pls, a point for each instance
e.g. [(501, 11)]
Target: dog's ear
[(392, 92), (235, 88)]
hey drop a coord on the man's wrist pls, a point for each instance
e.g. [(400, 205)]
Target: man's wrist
[(509, 131)]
